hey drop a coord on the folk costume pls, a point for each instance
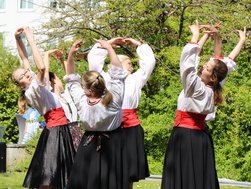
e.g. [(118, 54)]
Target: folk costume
[(189, 160), (133, 131)]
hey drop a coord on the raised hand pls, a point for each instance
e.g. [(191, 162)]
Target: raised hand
[(19, 32), (212, 30), (29, 34), (104, 44), (76, 46), (115, 42), (56, 53), (242, 34), (195, 28), (132, 42)]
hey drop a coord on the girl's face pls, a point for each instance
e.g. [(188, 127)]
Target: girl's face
[(206, 72), (127, 65), (23, 77)]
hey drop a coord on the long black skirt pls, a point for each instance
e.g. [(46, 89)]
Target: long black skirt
[(136, 155), (99, 163), (189, 161), (53, 158)]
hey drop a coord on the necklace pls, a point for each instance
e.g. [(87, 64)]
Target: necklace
[(94, 102)]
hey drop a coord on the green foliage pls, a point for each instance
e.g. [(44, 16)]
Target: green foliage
[(163, 25), (8, 95), (157, 129), (232, 132)]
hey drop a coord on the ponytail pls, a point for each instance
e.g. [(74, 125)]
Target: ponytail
[(22, 103), (218, 97), (219, 74), (96, 83), (107, 98)]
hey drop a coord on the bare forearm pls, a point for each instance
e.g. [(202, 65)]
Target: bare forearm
[(195, 38), (217, 45), (203, 40), (114, 58), (64, 63), (22, 52), (236, 51), (70, 68)]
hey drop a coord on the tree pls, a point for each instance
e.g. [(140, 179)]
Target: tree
[(8, 95)]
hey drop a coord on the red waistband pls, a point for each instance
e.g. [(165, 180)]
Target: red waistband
[(55, 117), (130, 118), (190, 120)]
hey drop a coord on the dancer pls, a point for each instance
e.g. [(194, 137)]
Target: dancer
[(53, 157), (30, 114), (134, 82), (228, 60), (99, 159), (189, 161), (64, 96)]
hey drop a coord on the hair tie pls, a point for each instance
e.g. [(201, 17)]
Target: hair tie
[(104, 92)]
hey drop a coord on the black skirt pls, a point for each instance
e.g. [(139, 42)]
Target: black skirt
[(135, 153), (52, 160), (189, 161), (98, 163)]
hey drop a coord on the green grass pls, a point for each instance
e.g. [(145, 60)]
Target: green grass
[(14, 180), (146, 184)]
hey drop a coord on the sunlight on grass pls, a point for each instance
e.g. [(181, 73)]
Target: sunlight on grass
[(14, 180), (146, 184)]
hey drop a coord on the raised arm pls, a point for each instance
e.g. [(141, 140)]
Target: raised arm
[(195, 29), (112, 54), (96, 56), (46, 60), (206, 35), (146, 60), (203, 39), (36, 54), (217, 45), (60, 56), (70, 68), (21, 48), (236, 51)]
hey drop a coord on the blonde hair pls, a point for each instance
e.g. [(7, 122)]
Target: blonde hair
[(96, 83), (123, 57), (22, 103)]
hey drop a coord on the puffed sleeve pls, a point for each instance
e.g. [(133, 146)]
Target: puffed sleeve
[(191, 82), (75, 89), (96, 58), (116, 83), (146, 64), (231, 64)]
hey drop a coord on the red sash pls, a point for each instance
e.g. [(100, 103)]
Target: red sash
[(130, 118), (190, 120), (55, 117)]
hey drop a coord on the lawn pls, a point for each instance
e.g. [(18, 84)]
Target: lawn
[(14, 180)]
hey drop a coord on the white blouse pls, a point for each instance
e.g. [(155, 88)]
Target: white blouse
[(40, 98), (99, 117), (68, 105), (196, 96), (134, 82)]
